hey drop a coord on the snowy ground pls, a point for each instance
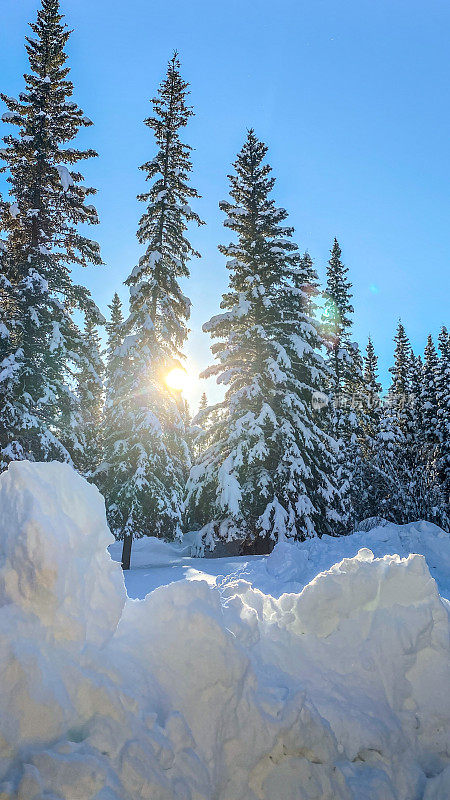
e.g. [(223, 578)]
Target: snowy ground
[(290, 567), (155, 563), (241, 687)]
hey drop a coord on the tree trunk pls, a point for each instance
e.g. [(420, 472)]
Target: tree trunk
[(126, 551)]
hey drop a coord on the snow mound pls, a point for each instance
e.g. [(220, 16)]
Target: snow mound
[(291, 566), (339, 691), (54, 563)]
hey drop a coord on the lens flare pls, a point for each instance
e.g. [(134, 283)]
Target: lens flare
[(177, 379)]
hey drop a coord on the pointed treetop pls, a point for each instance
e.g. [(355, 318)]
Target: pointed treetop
[(371, 368), (264, 244), (156, 298), (338, 308), (400, 371)]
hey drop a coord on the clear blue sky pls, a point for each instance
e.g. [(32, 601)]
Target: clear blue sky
[(352, 97)]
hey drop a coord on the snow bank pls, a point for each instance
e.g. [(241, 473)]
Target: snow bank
[(52, 546), (291, 566), (195, 693)]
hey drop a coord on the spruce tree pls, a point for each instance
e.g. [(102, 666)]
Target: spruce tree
[(418, 437), (267, 469), (10, 448), (404, 462), (344, 385), (198, 429), (146, 479), (429, 408), (91, 396), (116, 417), (43, 346), (115, 371), (443, 426), (112, 429), (368, 489), (397, 460), (372, 395), (338, 309), (115, 331), (311, 284), (400, 389), (426, 442), (154, 283)]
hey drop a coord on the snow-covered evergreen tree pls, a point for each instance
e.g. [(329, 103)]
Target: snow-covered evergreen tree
[(368, 488), (147, 474), (115, 331), (411, 491), (338, 309), (372, 394), (311, 284), (116, 417), (198, 429), (429, 408), (345, 381), (42, 348), (267, 468), (154, 283), (417, 437), (10, 448), (113, 428), (443, 398), (91, 397), (397, 461), (391, 439), (400, 388)]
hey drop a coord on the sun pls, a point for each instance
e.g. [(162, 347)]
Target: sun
[(177, 379)]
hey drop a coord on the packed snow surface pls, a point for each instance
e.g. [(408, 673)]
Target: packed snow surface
[(321, 671), (290, 566)]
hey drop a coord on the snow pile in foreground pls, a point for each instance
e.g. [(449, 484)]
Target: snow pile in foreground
[(340, 691)]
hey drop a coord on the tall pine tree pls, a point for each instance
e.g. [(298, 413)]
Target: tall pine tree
[(411, 491), (338, 309), (267, 468), (91, 396), (146, 479), (115, 331), (116, 417), (429, 408), (443, 398), (344, 385), (368, 488), (396, 461), (43, 347), (372, 394)]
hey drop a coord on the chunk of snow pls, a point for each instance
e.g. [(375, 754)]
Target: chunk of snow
[(65, 177), (8, 116)]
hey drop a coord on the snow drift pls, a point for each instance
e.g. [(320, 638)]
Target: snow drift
[(291, 566), (197, 693)]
